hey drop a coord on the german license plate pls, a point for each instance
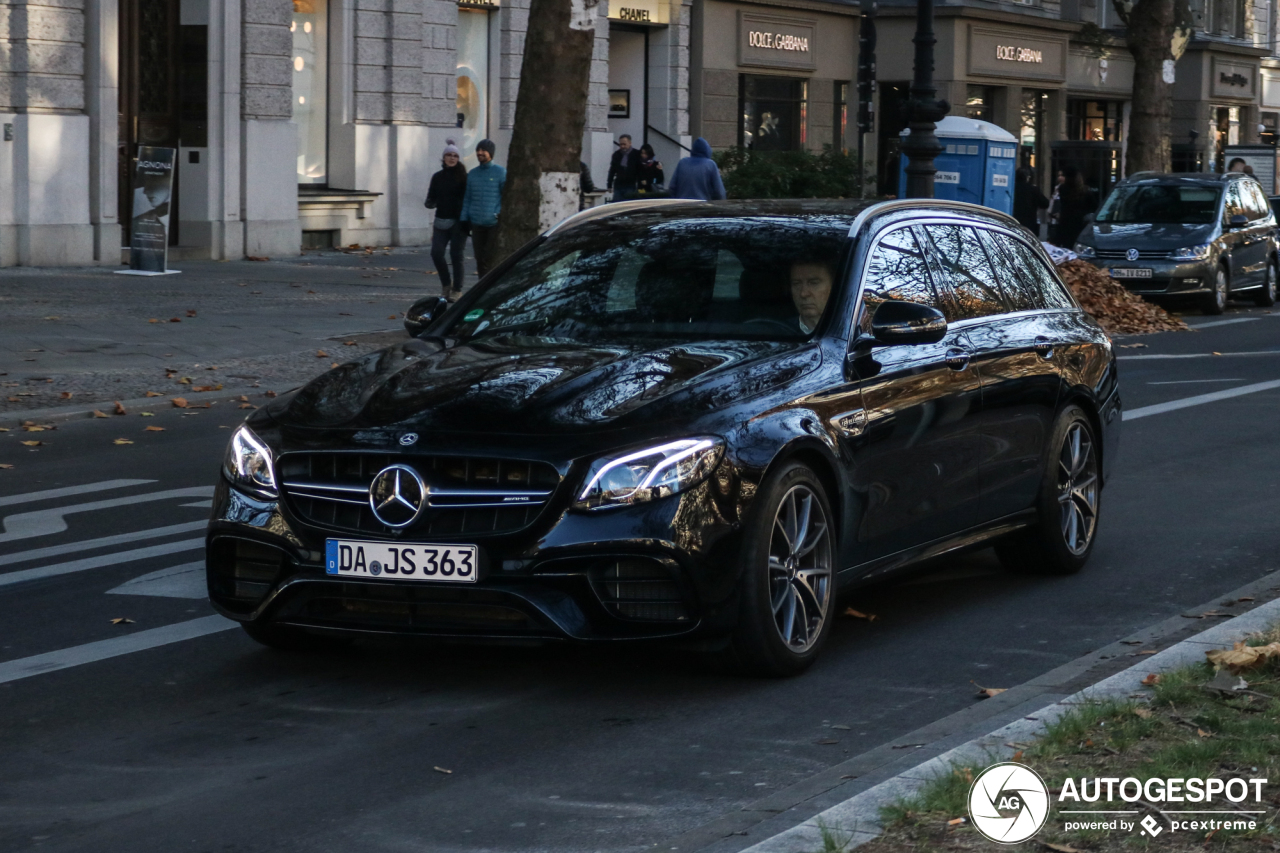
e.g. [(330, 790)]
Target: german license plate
[(405, 561), (1130, 273)]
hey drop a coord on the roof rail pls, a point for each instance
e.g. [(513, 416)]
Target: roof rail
[(612, 209), (910, 203)]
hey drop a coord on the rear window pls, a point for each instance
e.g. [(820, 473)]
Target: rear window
[(1189, 204)]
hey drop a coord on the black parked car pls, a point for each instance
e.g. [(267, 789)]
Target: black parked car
[(1209, 236), (680, 420)]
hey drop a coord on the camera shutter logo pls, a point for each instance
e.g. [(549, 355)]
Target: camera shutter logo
[(1008, 803)]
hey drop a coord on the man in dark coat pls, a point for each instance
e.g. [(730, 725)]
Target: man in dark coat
[(1027, 200), (624, 170)]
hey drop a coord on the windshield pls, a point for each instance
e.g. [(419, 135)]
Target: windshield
[(768, 278), (1189, 204)]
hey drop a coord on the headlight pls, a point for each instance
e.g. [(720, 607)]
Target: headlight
[(248, 464), (654, 472), (1192, 253), (1085, 251)]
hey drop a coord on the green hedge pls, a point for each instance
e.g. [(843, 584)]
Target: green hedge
[(788, 174)]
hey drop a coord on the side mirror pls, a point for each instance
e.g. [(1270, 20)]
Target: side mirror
[(1238, 221), (897, 323), (422, 312)]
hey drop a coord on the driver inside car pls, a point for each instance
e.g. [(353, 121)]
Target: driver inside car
[(810, 290)]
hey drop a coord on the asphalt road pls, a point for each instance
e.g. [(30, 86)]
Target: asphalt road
[(214, 744)]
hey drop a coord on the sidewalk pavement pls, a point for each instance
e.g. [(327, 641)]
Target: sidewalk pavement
[(76, 339)]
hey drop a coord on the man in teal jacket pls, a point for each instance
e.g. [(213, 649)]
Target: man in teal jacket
[(482, 203)]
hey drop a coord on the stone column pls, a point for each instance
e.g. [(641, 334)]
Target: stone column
[(269, 174)]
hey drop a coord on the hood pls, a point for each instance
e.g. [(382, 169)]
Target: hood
[(1150, 236), (701, 148), (541, 386)]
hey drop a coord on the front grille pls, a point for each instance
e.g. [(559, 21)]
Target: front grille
[(641, 589), (467, 495), (396, 607), (1143, 254)]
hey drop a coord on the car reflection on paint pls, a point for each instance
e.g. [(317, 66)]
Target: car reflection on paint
[(680, 421)]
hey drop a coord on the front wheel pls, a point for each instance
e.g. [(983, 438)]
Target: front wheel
[(1267, 296), (1216, 301), (1068, 505), (788, 577)]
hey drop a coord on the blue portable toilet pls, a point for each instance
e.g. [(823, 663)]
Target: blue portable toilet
[(976, 166)]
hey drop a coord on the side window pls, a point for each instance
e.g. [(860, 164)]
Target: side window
[(969, 286), (1020, 289), (1258, 207), (622, 287), (728, 274), (898, 270), (1235, 204), (1050, 292)]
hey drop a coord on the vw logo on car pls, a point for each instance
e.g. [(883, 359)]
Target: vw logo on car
[(1131, 255)]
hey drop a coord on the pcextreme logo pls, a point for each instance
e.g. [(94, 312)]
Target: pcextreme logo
[(1009, 803)]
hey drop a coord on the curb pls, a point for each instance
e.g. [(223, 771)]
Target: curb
[(859, 816), (85, 410)]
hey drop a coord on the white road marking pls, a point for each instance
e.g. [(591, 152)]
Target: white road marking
[(1224, 322), (98, 562), (100, 542), (49, 494), (184, 581), (1193, 381), (43, 522), (102, 649), (200, 504), (1154, 356), (1187, 402)]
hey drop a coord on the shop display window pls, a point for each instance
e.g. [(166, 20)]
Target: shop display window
[(840, 121), (980, 102), (1095, 121), (310, 30), (773, 112)]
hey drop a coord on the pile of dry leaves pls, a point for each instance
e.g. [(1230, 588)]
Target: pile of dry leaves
[(1115, 308)]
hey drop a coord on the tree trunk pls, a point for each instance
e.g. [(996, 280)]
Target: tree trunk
[(551, 112), (1157, 35)]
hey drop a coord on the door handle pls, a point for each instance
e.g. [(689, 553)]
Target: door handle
[(1044, 346), (957, 359)]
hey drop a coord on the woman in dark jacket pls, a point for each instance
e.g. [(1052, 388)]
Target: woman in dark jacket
[(650, 171), (445, 196), (1077, 200)]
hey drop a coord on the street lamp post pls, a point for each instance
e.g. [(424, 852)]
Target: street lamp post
[(921, 146)]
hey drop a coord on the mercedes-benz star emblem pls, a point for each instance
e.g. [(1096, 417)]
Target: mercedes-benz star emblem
[(409, 438), (1131, 255), (397, 495)]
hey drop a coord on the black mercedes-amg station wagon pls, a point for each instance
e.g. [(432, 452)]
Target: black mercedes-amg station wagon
[(680, 420)]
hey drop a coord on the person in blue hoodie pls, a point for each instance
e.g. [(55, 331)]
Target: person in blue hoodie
[(697, 176), (482, 203)]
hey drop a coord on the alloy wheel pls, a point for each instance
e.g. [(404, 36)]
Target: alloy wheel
[(800, 568), (1078, 489), (1271, 283), (1220, 288)]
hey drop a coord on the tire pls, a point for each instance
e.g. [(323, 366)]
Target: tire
[(787, 593), (1216, 301), (1067, 508), (1267, 295), (287, 638)]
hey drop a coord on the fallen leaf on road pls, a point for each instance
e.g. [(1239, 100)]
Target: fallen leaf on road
[(121, 620), (248, 406), (99, 414), (988, 692), (335, 364), (32, 443), (441, 770), (54, 317), (1245, 598), (153, 429), (1240, 657), (1151, 679), (153, 320), (1144, 713), (1217, 353), (175, 319), (256, 258), (1143, 652), (1017, 756), (1203, 733), (269, 393), (154, 394), (66, 395), (120, 409), (956, 821), (348, 343), (32, 428), (321, 354), (206, 388), (858, 614), (186, 380), (5, 465), (13, 399), (191, 312), (122, 441), (179, 402), (147, 414)]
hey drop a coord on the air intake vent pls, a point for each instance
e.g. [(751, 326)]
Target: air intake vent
[(244, 571), (640, 589)]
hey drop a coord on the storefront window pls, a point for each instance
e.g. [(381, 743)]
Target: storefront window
[(1270, 128), (774, 112), (473, 81), (840, 121), (1095, 121), (980, 103), (1031, 134), (1226, 132), (310, 28)]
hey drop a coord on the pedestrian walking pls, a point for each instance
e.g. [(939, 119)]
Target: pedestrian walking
[(649, 174), (1078, 200), (1028, 201), (624, 170), (697, 176), (444, 196), (482, 203)]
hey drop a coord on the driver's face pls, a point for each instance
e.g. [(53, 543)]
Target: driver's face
[(810, 290)]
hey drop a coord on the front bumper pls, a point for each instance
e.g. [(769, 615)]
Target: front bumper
[(1167, 277), (662, 569)]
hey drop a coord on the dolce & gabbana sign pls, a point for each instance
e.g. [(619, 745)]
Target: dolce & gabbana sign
[(1005, 53), (773, 42)]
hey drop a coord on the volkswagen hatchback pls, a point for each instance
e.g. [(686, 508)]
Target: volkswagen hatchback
[(680, 420)]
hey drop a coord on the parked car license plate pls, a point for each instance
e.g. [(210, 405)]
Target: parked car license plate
[(406, 561), (1130, 273)]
